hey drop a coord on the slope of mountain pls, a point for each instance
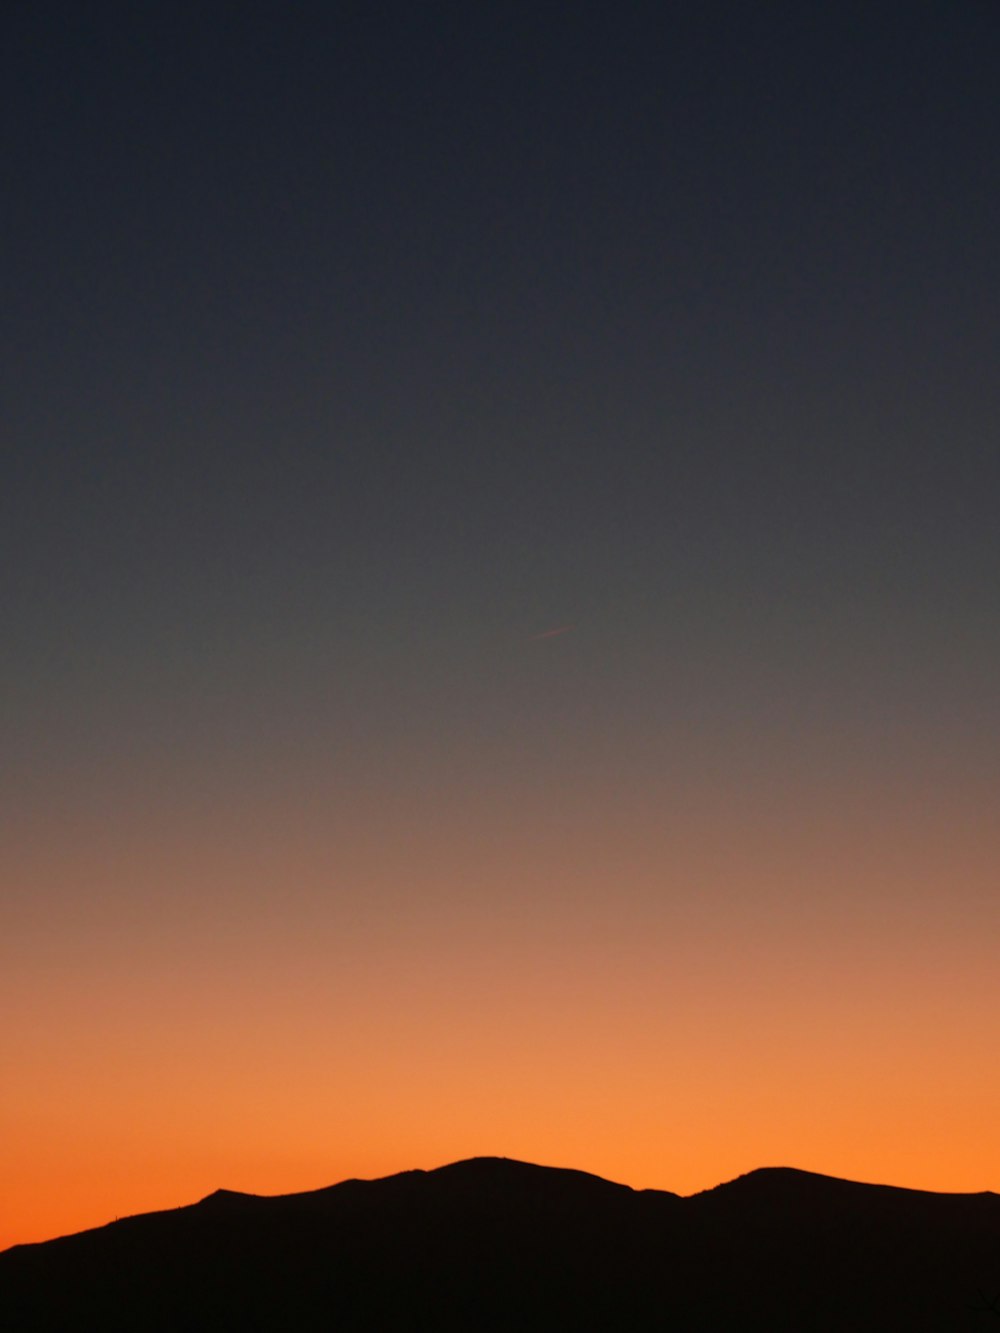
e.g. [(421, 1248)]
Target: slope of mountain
[(494, 1244)]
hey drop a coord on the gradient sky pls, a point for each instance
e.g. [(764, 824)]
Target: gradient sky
[(348, 351)]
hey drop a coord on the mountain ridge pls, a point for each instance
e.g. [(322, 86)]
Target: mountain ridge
[(496, 1243), (756, 1178)]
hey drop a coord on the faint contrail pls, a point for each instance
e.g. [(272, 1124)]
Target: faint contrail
[(553, 633)]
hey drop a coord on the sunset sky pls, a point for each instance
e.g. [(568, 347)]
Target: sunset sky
[(349, 351)]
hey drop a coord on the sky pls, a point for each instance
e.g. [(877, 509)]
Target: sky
[(349, 352)]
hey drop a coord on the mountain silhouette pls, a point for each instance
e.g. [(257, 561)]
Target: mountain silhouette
[(494, 1244)]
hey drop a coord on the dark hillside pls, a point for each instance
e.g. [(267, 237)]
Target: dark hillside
[(493, 1244)]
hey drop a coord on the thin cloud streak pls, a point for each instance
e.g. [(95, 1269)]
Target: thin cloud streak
[(553, 633)]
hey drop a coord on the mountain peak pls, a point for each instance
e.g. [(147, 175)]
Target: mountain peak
[(224, 1196)]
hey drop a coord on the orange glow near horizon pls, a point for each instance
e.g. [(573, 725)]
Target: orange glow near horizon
[(270, 1008)]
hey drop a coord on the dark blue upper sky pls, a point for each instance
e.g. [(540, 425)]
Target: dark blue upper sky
[(351, 338)]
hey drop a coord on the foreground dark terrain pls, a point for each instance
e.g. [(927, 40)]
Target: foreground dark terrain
[(497, 1244)]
